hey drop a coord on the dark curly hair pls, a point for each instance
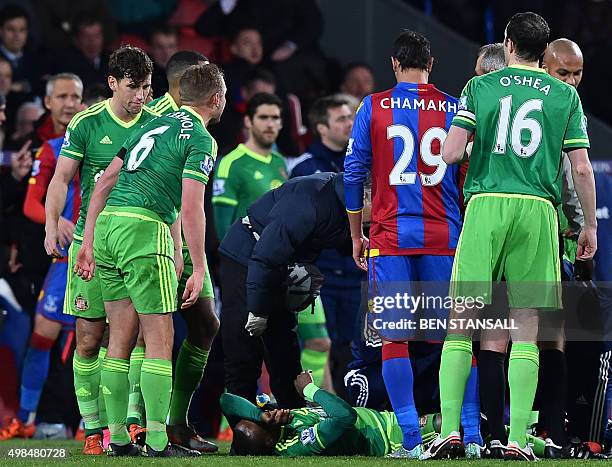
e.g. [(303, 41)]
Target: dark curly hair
[(530, 33), (130, 62), (412, 50)]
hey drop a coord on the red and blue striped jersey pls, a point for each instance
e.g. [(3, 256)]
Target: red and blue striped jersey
[(398, 136)]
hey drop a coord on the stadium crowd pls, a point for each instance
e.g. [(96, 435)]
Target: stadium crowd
[(267, 269)]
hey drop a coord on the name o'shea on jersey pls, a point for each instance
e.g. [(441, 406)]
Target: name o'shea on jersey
[(397, 136)]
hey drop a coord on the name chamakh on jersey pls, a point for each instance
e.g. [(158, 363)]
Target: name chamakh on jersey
[(398, 135), (94, 137)]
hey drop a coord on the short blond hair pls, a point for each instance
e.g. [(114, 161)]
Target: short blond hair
[(199, 83)]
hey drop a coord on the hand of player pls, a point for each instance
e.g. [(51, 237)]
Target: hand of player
[(256, 325), (360, 246), (276, 417), (302, 380), (192, 288), (587, 243), (65, 230), (51, 242), (179, 262), (85, 262)]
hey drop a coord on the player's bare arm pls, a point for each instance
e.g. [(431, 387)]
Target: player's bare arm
[(455, 145), (360, 241), (85, 263), (194, 228), (584, 183), (56, 199)]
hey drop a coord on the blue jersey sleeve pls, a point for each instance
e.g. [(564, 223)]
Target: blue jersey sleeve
[(358, 157)]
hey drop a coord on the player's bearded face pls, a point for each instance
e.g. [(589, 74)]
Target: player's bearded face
[(133, 95), (266, 125)]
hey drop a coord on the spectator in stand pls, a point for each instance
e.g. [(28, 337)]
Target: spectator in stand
[(331, 120), (290, 31), (54, 21), (87, 57), (14, 23), (12, 99), (358, 80), (247, 52), (63, 98), (163, 44), (27, 115), (230, 131)]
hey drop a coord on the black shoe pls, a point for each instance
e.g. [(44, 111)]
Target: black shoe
[(552, 451), (171, 450), (122, 450), (494, 450), (188, 437)]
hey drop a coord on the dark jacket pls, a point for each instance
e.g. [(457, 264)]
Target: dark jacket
[(339, 270), (294, 223)]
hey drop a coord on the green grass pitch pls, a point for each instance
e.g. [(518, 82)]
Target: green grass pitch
[(220, 459)]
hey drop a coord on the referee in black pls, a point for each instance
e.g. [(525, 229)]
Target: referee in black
[(288, 225)]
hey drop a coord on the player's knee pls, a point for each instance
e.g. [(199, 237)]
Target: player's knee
[(89, 338), (88, 346), (46, 328), (318, 344)]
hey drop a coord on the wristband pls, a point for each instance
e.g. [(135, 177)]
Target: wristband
[(310, 390)]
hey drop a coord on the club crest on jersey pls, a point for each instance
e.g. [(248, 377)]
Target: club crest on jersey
[(80, 303), (206, 165), (308, 436)]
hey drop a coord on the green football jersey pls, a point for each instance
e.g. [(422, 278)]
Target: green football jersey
[(158, 156), (311, 432), (522, 118), (243, 176), (94, 137), (163, 104)]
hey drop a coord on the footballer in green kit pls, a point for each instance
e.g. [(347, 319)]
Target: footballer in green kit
[(327, 427), (201, 319), (521, 119), (92, 140), (132, 226)]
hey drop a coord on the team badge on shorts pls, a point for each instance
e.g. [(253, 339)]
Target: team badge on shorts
[(80, 303)]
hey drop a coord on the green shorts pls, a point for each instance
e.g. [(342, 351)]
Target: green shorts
[(134, 255), (83, 299), (312, 325), (514, 238), (207, 288)]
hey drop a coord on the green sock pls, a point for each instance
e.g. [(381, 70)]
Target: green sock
[(115, 387), (156, 387), (539, 445), (455, 368), (315, 361), (135, 405), (86, 386), (523, 382), (101, 403), (190, 365)]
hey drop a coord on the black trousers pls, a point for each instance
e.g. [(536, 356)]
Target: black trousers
[(278, 346)]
